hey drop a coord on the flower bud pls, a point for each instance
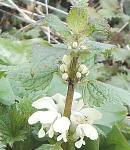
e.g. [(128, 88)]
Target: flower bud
[(75, 44), (83, 47), (69, 47), (63, 68), (83, 69), (78, 75), (66, 60), (65, 76)]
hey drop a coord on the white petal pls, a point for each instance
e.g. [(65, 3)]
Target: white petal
[(91, 114), (45, 102), (77, 118), (77, 95), (50, 132), (59, 138), (60, 102), (79, 143), (58, 98), (34, 118), (89, 131), (77, 105), (62, 136), (41, 133), (61, 125), (48, 117)]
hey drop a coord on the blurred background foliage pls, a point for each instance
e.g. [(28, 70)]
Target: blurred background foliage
[(23, 83)]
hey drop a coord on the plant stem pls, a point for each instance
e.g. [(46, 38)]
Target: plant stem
[(71, 85), (69, 99)]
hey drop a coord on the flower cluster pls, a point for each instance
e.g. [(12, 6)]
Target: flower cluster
[(65, 66), (53, 123), (82, 70)]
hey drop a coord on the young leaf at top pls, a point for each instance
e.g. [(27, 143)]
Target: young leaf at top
[(77, 21)]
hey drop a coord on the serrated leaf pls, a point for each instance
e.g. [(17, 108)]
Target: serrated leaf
[(101, 28), (115, 141), (81, 3), (37, 74), (7, 96), (2, 146), (31, 77), (49, 147), (98, 47), (77, 20), (13, 126), (98, 93)]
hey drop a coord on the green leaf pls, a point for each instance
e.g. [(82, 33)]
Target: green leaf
[(2, 145), (115, 141), (90, 145), (98, 47), (98, 93), (7, 96), (81, 3), (44, 53), (120, 54), (13, 51), (77, 20), (49, 147), (57, 25), (31, 77), (111, 114), (110, 9), (37, 74), (101, 28), (13, 126), (57, 85)]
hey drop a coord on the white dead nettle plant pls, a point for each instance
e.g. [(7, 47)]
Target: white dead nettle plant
[(53, 121)]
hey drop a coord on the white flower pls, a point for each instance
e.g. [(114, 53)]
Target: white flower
[(87, 130), (62, 125), (66, 60), (63, 68), (65, 76), (82, 120), (52, 119)]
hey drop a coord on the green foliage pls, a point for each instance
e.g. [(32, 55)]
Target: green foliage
[(111, 114), (13, 51), (115, 141), (77, 21), (110, 9), (49, 147), (99, 48), (13, 126), (7, 96), (57, 25), (100, 93)]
